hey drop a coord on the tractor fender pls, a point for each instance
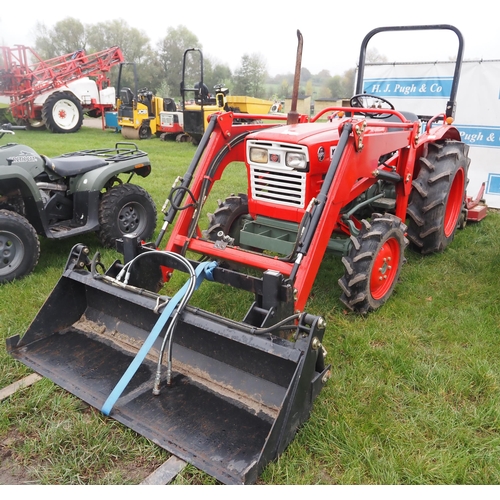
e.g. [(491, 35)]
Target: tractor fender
[(83, 87), (40, 100), (97, 179), (437, 134), (440, 133)]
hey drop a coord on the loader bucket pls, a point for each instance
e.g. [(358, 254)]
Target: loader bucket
[(235, 400)]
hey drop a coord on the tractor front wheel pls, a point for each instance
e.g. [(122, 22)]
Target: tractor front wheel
[(438, 196), (19, 246), (373, 263), (228, 218), (126, 209)]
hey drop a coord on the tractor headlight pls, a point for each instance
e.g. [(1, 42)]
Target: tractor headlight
[(296, 160), (258, 155)]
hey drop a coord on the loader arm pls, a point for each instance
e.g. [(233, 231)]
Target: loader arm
[(356, 157)]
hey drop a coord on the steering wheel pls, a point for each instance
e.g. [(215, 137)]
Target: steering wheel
[(371, 101)]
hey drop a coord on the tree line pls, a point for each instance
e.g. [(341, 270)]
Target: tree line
[(159, 66)]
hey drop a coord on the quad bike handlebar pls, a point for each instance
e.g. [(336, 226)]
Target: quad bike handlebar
[(8, 128)]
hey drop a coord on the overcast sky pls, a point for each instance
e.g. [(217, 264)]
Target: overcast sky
[(332, 31)]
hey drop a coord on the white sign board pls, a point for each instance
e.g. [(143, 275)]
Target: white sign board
[(424, 89)]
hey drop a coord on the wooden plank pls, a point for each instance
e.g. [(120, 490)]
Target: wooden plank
[(166, 472), (20, 384)]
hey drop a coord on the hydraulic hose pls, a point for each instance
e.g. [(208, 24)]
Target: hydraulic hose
[(186, 180), (203, 270)]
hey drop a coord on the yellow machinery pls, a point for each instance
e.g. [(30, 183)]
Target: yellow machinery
[(141, 114), (201, 104), (138, 116)]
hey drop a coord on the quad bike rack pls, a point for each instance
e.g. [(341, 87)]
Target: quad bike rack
[(228, 396)]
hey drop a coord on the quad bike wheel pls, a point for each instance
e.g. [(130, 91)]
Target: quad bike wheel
[(62, 113), (438, 196), (126, 209), (19, 246), (373, 263), (228, 218)]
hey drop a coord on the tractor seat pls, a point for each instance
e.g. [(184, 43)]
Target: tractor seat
[(67, 166), (412, 117)]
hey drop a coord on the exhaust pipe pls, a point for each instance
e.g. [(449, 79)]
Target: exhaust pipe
[(293, 115)]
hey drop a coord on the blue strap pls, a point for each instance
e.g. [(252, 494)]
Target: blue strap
[(203, 270)]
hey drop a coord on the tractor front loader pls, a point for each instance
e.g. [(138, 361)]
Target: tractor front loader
[(224, 394)]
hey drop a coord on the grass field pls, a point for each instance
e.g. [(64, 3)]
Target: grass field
[(414, 396)]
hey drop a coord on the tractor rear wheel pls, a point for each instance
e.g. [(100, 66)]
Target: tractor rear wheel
[(438, 196), (126, 209), (373, 263), (19, 246), (62, 113), (228, 218)]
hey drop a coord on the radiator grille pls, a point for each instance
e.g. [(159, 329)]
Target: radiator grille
[(278, 186)]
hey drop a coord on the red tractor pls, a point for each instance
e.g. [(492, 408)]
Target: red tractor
[(350, 185), (235, 392)]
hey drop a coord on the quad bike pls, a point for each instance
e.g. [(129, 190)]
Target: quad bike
[(68, 195), (229, 395)]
